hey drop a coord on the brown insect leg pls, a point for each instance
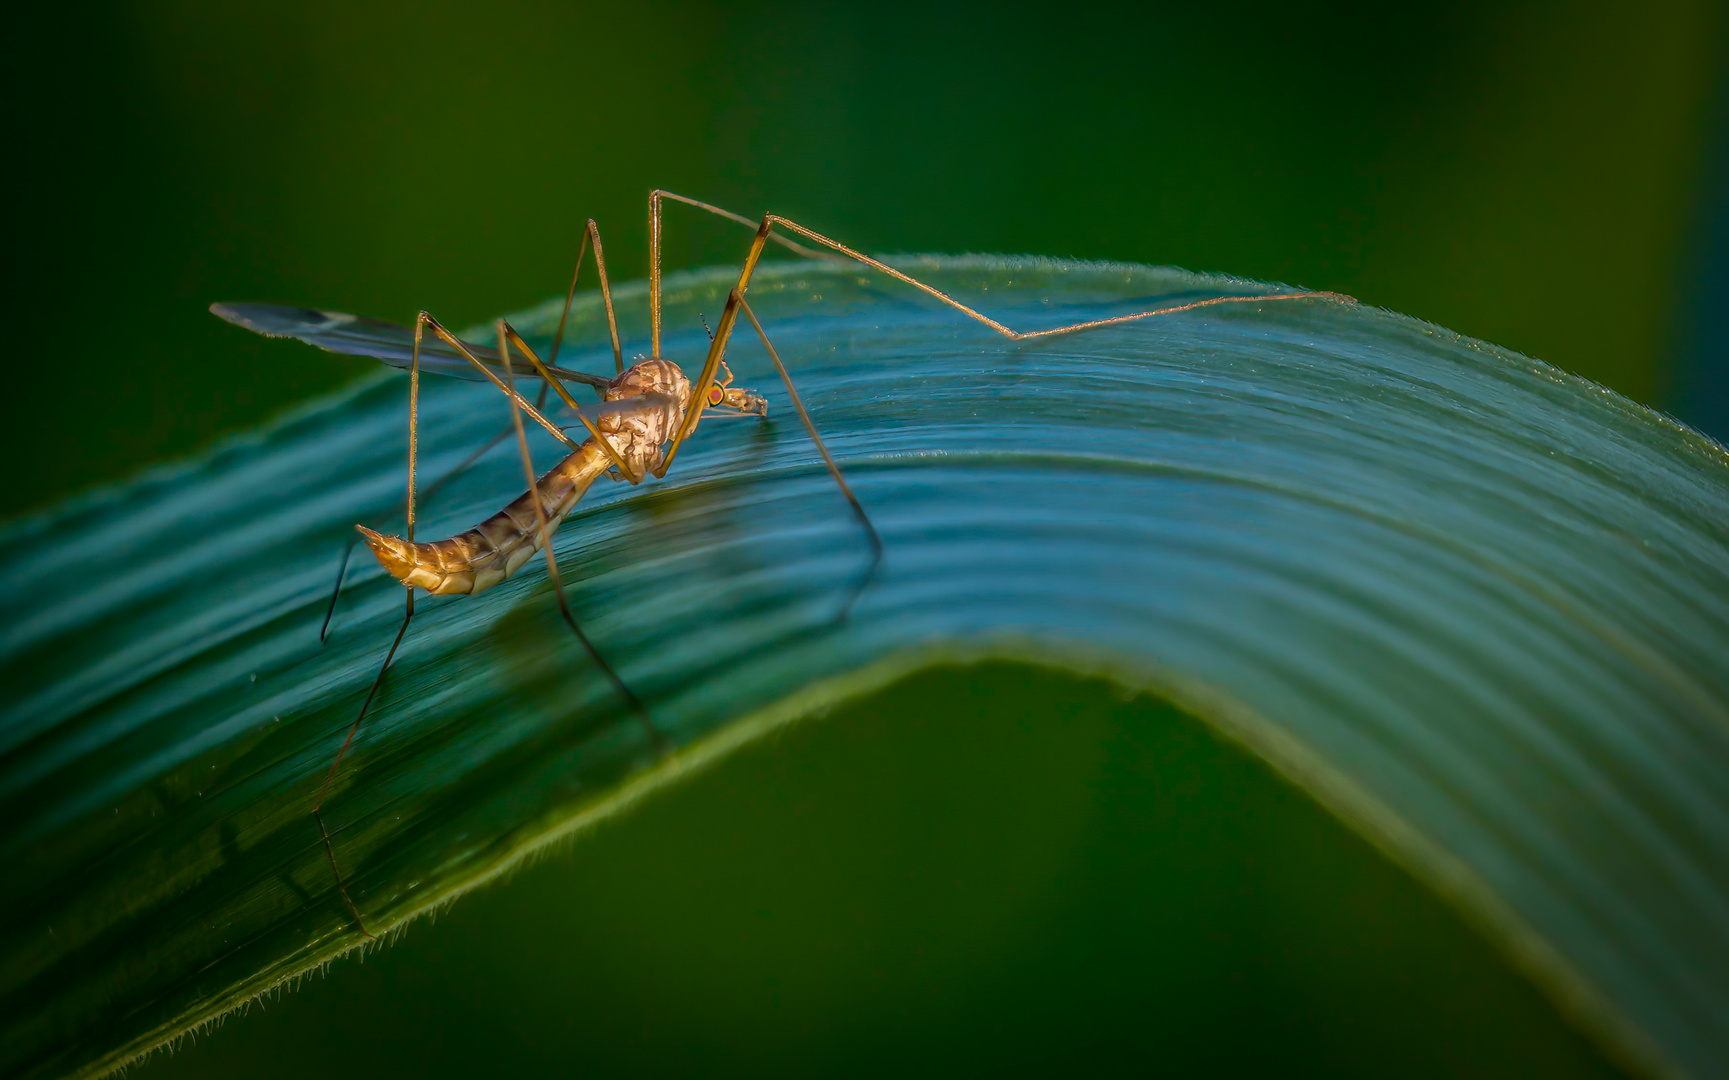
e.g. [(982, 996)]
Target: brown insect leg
[(504, 337), (510, 392), (336, 764), (329, 777), (811, 234), (605, 444), (590, 232), (654, 198), (336, 591), (765, 232), (828, 459), (716, 348), (716, 359), (835, 245)]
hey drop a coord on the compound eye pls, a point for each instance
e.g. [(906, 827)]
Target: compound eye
[(715, 394)]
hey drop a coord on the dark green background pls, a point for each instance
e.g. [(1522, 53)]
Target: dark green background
[(1530, 173), (1537, 174)]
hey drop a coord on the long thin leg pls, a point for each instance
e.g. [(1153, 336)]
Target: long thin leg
[(462, 350), (771, 220), (324, 792), (336, 590), (504, 336), (654, 198), (716, 345), (1015, 335), (408, 615), (591, 232), (764, 232), (828, 459)]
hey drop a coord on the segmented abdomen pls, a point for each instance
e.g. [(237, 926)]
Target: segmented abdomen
[(496, 548)]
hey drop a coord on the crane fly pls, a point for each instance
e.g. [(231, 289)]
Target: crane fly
[(645, 414)]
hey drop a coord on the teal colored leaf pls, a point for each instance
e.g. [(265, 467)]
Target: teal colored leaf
[(1476, 607)]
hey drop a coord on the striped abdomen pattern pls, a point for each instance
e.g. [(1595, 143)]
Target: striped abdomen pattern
[(485, 555)]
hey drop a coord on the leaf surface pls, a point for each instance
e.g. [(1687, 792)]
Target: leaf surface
[(1475, 606)]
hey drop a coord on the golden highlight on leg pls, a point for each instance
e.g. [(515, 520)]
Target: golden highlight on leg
[(505, 335)]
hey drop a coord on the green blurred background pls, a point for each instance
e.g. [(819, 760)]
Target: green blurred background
[(1548, 176), (1537, 174)]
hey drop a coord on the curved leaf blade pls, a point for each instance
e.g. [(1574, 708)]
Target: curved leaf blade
[(1476, 606)]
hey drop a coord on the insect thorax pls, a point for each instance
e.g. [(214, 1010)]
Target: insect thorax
[(641, 433)]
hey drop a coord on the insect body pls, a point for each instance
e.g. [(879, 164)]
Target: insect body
[(646, 413), (490, 552)]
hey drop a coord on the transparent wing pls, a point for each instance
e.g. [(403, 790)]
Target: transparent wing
[(357, 335)]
